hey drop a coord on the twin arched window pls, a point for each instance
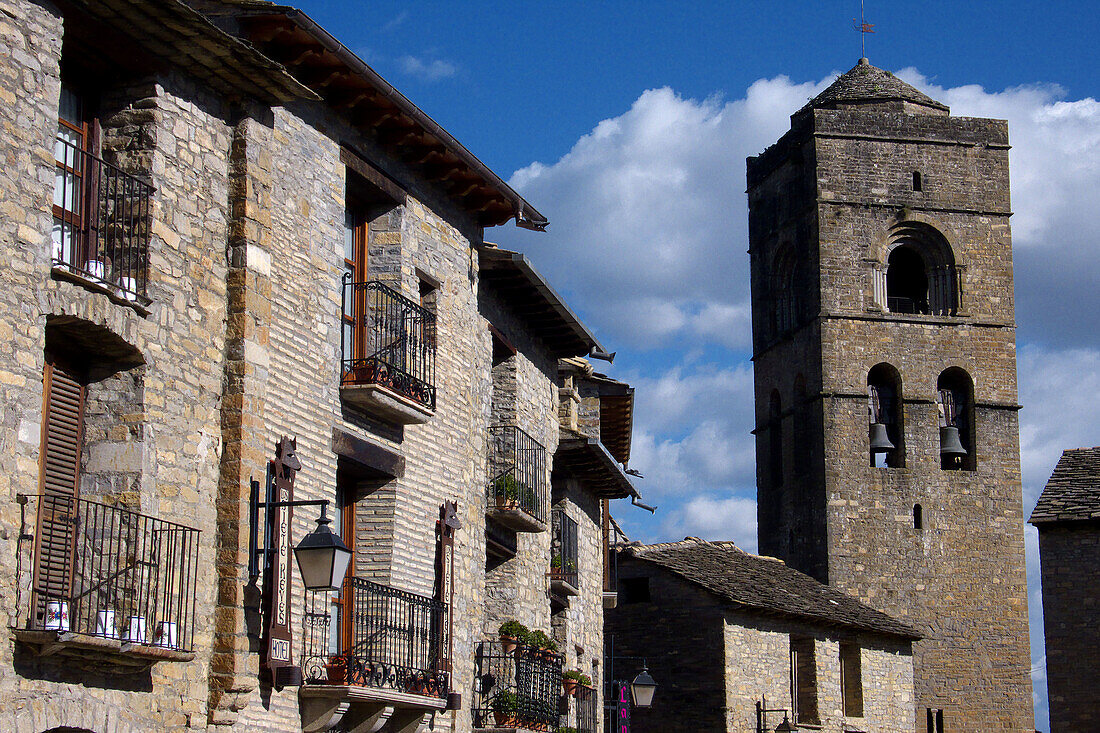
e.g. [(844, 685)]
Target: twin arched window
[(955, 405)]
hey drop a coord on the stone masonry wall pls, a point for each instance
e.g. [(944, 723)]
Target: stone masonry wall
[(524, 395), (166, 412), (758, 665), (1068, 553)]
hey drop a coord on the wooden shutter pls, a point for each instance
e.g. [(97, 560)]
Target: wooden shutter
[(62, 438)]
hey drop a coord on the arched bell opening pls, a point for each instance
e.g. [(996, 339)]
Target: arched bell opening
[(955, 400), (885, 432)]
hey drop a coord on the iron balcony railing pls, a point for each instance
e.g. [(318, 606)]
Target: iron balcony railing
[(388, 340), (101, 221), (519, 688), (398, 640), (517, 471), (586, 712), (563, 548), (110, 572)]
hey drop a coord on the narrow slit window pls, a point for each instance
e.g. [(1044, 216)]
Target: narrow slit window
[(918, 185), (918, 517)]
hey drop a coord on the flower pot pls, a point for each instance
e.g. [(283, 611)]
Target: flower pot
[(138, 630), (105, 624), (57, 616), (509, 643), (335, 673), (570, 686)]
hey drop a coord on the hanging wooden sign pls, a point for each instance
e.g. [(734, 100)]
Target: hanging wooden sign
[(280, 488)]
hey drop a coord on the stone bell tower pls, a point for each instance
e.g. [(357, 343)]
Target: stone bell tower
[(888, 460)]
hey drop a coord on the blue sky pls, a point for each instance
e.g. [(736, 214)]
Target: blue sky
[(628, 124)]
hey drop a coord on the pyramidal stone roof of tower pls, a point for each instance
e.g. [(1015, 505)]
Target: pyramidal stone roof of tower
[(869, 85)]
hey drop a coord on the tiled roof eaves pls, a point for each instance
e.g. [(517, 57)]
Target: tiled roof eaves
[(1073, 492), (734, 576)]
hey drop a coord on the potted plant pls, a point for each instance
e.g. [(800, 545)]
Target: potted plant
[(505, 709), (336, 669), (512, 634), (506, 491), (584, 687), (570, 679), (543, 643), (555, 567)]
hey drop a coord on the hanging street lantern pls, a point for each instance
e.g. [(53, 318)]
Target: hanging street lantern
[(322, 557), (642, 689)]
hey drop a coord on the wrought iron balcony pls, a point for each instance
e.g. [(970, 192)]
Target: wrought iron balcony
[(520, 688), (110, 579), (516, 491), (395, 641), (101, 223), (563, 555), (388, 343)]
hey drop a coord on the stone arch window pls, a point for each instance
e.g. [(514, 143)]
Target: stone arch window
[(775, 439), (885, 409), (955, 400), (921, 276), (787, 291), (918, 517)]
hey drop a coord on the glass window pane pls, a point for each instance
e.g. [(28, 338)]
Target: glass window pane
[(349, 235), (69, 105)]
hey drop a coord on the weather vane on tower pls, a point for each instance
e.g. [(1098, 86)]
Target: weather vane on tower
[(863, 27)]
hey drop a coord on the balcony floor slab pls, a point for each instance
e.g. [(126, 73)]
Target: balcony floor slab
[(387, 405), (516, 519)]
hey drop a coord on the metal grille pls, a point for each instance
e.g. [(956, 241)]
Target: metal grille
[(586, 706), (398, 640), (519, 688), (563, 548), (517, 471), (388, 340), (101, 221), (122, 575)]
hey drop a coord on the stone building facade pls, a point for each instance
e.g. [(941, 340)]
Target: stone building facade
[(739, 642), (885, 381), (1067, 516), (224, 228)]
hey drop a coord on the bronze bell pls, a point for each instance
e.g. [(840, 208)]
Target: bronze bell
[(880, 441), (950, 445)]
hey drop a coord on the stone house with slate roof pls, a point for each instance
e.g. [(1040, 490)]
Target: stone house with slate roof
[(222, 228), (725, 632), (1067, 516)]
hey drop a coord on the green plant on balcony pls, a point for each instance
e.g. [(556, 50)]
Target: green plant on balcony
[(506, 709), (543, 643), (512, 634), (506, 490), (566, 729)]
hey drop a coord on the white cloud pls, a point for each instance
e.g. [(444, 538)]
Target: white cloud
[(1059, 391), (395, 22), (713, 518), (427, 69)]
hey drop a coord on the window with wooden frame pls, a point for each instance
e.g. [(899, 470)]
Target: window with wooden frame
[(804, 681), (851, 679), (74, 151), (62, 440), (353, 325), (341, 612)]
